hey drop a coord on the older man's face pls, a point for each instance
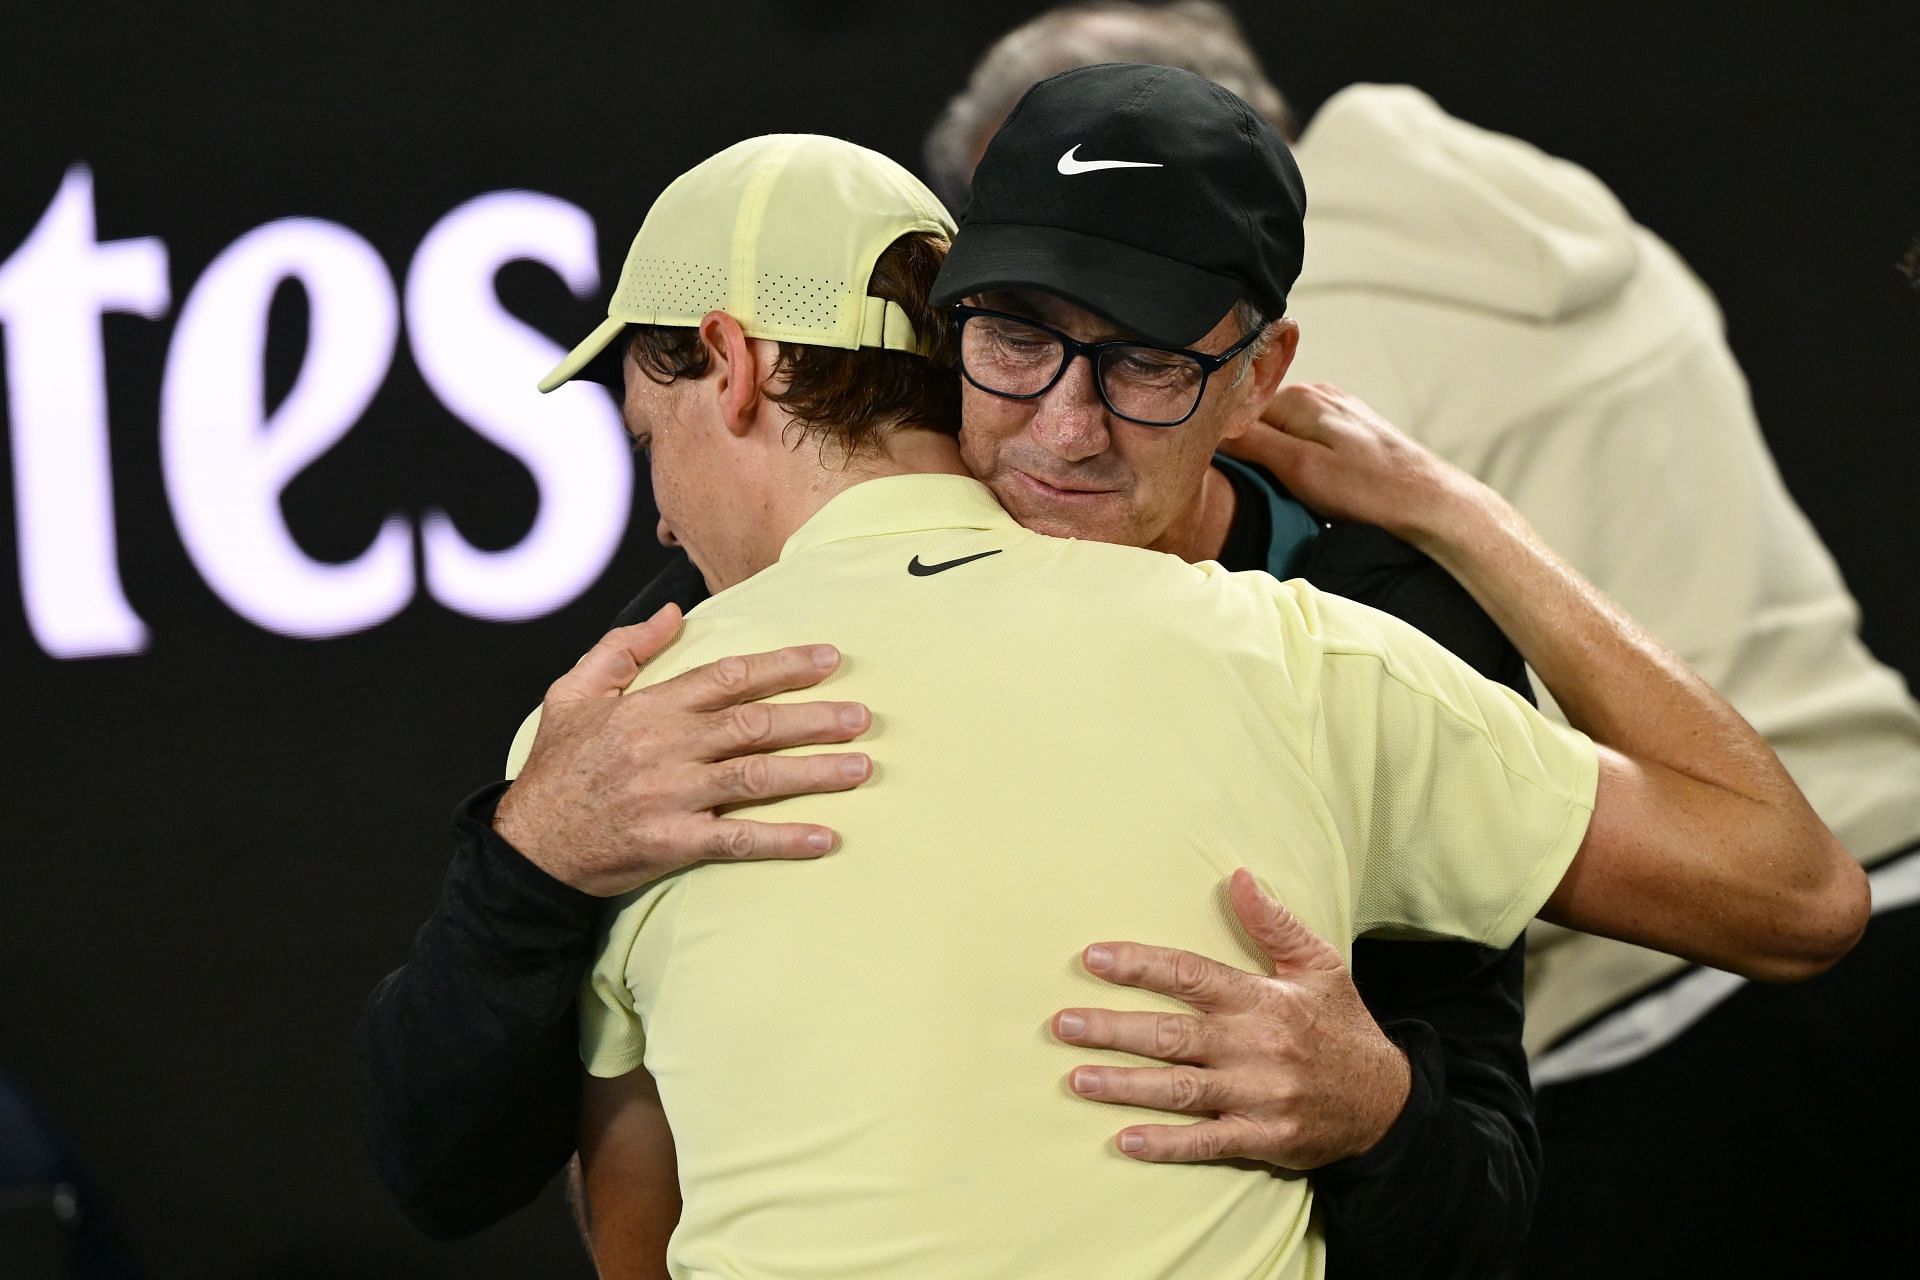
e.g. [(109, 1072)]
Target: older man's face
[(1063, 465)]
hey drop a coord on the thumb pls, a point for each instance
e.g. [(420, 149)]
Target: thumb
[(1279, 933), (606, 670)]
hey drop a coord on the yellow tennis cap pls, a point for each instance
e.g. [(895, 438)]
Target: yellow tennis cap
[(780, 232)]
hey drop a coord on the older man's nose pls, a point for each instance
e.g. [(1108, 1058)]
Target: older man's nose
[(1070, 421), (665, 534)]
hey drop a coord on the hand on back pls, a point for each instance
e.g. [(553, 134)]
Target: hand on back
[(620, 789), (1287, 1068)]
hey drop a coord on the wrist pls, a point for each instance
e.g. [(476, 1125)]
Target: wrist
[(1417, 1048), (1444, 511), (505, 823), (515, 885), (1396, 1089), (502, 819), (522, 833)]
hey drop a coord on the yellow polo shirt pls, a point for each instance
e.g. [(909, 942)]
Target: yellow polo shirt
[(1072, 741)]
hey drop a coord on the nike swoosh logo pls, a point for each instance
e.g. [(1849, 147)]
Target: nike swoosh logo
[(919, 570), (1070, 164)]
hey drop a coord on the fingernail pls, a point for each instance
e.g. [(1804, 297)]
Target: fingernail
[(852, 717), (1132, 1142), (1099, 958), (824, 656), (821, 840), (1086, 1080), (1072, 1024), (853, 767)]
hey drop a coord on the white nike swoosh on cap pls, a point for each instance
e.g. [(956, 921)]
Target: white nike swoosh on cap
[(1070, 165)]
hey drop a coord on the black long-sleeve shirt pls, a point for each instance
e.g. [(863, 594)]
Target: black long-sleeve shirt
[(468, 1071)]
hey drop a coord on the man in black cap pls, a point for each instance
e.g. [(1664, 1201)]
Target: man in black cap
[(1142, 202), (1136, 204)]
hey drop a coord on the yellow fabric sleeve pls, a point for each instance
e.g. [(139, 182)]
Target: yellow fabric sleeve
[(1461, 805)]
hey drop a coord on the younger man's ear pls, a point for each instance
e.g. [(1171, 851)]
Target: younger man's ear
[(736, 370)]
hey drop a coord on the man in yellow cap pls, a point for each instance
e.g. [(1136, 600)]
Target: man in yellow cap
[(1079, 739)]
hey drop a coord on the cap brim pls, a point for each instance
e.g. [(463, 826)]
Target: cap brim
[(583, 355), (1167, 303)]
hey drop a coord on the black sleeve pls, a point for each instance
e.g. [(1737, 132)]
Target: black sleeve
[(679, 583), (466, 1060), (1450, 1190)]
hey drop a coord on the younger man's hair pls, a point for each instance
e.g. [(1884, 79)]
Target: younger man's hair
[(848, 399)]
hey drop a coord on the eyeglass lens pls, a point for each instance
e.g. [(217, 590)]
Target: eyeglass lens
[(1143, 383)]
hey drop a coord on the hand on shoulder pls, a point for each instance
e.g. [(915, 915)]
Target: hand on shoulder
[(620, 789), (1334, 453)]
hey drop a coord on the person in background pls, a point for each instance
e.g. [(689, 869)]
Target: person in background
[(1502, 307)]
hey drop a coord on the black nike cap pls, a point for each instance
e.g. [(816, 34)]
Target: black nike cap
[(1148, 195)]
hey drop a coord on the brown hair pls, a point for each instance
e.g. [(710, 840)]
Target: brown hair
[(848, 398)]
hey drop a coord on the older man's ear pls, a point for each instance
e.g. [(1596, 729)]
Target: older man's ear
[(1264, 377)]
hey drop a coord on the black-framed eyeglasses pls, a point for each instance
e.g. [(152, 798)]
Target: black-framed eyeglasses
[(1022, 359)]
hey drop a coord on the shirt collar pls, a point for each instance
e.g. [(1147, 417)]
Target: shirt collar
[(900, 504)]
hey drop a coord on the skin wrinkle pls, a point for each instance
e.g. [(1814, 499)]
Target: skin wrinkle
[(1166, 494)]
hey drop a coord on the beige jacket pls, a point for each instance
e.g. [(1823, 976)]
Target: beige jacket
[(1501, 306)]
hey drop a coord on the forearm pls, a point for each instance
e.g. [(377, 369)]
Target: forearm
[(1613, 680), (1726, 862), (629, 1176), (1450, 1190), (1448, 1196), (466, 1064), (678, 582)]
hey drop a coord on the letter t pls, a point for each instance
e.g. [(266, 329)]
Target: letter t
[(53, 291)]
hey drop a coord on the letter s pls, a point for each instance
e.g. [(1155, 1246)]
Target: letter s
[(482, 363)]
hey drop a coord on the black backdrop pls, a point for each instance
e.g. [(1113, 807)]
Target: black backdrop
[(216, 846)]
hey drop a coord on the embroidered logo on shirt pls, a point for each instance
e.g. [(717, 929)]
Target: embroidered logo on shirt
[(919, 570)]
